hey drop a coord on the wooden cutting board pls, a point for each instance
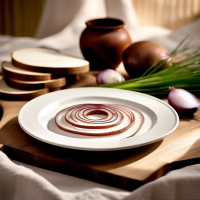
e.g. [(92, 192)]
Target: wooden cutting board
[(126, 169)]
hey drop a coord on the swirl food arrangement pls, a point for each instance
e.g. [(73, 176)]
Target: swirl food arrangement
[(116, 119)]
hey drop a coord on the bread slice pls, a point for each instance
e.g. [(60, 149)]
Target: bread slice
[(9, 70), (35, 85), (9, 93), (48, 61)]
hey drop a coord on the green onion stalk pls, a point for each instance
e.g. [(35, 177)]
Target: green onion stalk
[(155, 81)]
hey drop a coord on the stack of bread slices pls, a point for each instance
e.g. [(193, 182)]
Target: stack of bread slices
[(37, 71)]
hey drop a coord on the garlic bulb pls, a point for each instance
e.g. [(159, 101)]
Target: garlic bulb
[(109, 76)]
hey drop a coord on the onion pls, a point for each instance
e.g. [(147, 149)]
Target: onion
[(118, 119), (139, 56), (183, 101), (109, 76)]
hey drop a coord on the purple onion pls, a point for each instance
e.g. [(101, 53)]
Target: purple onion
[(183, 101), (109, 76)]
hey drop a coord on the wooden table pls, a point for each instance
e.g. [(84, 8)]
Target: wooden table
[(126, 169)]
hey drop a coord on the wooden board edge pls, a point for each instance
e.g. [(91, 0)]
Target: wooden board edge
[(92, 174), (72, 169), (172, 166), (184, 163)]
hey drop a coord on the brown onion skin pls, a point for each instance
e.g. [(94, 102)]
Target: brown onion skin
[(139, 56)]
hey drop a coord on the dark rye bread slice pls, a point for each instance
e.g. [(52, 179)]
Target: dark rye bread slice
[(9, 93), (48, 61), (15, 73)]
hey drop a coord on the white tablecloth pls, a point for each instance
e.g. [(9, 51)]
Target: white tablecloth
[(20, 181), (23, 182)]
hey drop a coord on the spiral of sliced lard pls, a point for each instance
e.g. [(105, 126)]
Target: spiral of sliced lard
[(118, 119)]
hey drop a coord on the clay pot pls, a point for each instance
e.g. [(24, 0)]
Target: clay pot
[(103, 42)]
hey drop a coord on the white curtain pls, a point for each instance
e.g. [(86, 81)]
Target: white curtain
[(62, 22)]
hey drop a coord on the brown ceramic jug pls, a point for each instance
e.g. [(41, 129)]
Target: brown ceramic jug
[(103, 42)]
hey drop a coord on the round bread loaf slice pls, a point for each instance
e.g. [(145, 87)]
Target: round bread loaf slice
[(9, 93), (9, 70), (35, 85), (48, 61)]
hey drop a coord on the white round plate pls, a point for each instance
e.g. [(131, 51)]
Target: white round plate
[(37, 118)]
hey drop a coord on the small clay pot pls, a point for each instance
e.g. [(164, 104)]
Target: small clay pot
[(103, 42)]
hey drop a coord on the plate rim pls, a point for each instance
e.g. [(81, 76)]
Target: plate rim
[(99, 149)]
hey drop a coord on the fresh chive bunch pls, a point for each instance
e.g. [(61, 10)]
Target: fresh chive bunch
[(183, 74)]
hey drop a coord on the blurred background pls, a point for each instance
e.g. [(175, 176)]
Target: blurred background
[(21, 17)]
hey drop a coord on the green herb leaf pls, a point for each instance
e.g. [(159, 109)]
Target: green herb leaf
[(183, 74)]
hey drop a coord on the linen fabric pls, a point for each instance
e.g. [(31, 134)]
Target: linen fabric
[(61, 31), (63, 21), (19, 182)]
